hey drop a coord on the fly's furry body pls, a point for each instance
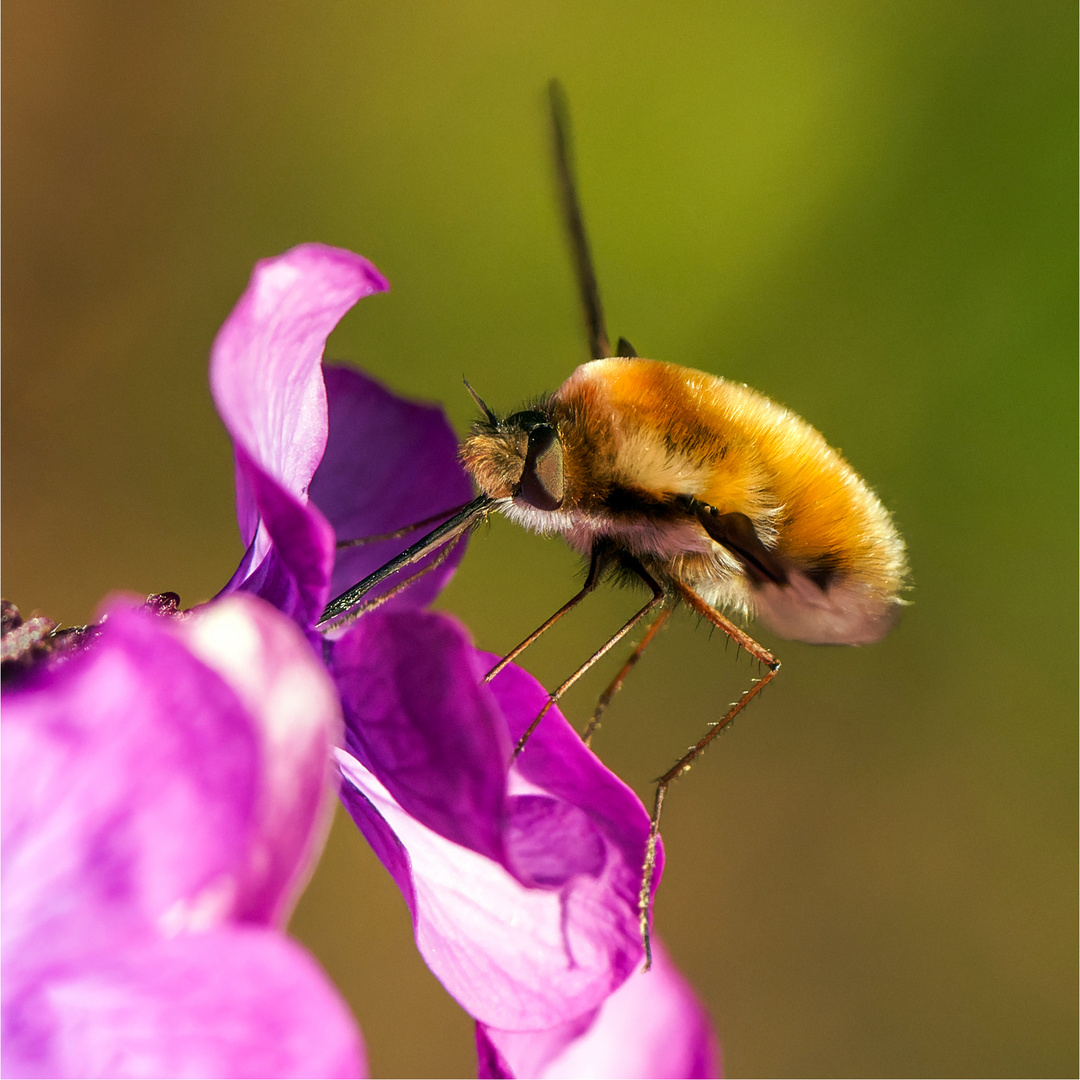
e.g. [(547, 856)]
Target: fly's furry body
[(654, 455)]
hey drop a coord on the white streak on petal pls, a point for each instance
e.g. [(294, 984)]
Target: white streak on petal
[(497, 946), (272, 668)]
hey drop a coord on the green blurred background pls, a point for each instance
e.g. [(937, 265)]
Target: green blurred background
[(865, 210)]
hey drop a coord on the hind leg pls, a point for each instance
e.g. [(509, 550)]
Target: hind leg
[(616, 684), (761, 654), (658, 598)]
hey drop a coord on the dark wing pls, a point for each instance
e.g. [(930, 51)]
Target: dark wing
[(736, 532)]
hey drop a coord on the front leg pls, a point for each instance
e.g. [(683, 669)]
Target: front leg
[(658, 598)]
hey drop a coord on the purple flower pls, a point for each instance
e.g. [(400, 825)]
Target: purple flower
[(165, 782), (165, 792), (522, 881)]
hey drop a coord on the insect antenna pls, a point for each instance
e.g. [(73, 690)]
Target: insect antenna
[(599, 345)]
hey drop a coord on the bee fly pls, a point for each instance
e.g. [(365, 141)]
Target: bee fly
[(704, 490)]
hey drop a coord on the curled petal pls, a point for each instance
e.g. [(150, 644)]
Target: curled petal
[(266, 362), (266, 379), (389, 463), (652, 1026)]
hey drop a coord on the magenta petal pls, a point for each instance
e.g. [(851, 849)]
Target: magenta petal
[(557, 761), (652, 1026), (266, 363), (504, 1055), (239, 1002), (548, 841), (293, 704), (510, 955), (418, 716), (381, 838), (289, 562), (96, 775), (542, 936), (388, 463), (156, 810), (266, 379), (490, 1064)]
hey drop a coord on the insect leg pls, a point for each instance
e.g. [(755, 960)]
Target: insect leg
[(658, 598), (616, 683), (597, 562), (759, 653)]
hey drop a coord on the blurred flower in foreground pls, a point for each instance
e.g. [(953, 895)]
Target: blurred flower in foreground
[(522, 881), (165, 794)]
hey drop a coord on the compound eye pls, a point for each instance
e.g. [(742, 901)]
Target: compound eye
[(542, 478)]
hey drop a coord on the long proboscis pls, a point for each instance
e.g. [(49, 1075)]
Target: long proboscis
[(444, 534)]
